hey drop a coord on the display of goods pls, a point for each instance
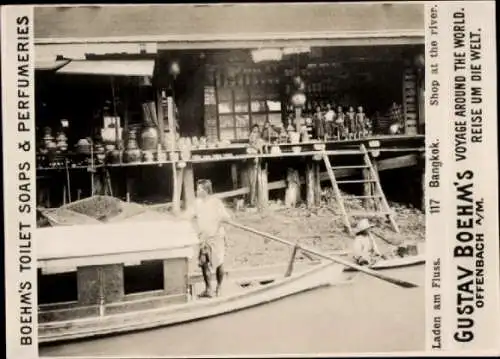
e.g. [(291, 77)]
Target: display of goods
[(98, 207), (275, 150), (51, 146), (185, 154), (109, 147), (149, 138), (131, 156), (115, 156), (294, 137), (161, 156), (147, 156), (83, 146), (132, 153), (173, 156), (62, 142)]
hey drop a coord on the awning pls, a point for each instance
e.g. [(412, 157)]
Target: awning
[(109, 67)]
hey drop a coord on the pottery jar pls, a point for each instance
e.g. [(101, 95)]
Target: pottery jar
[(149, 138)]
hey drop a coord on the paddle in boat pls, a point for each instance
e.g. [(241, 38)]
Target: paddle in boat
[(96, 279)]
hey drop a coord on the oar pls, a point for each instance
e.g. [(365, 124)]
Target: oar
[(365, 270), (385, 239)]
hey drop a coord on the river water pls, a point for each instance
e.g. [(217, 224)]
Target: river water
[(367, 316)]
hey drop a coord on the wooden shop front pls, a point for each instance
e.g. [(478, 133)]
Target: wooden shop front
[(222, 87)]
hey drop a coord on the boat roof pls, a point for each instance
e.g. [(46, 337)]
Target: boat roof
[(114, 242)]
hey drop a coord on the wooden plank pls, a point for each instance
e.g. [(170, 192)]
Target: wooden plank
[(291, 262), (234, 174), (398, 162), (310, 184), (188, 185), (367, 186), (161, 118), (336, 190), (384, 203), (262, 186), (252, 174), (317, 184), (177, 187)]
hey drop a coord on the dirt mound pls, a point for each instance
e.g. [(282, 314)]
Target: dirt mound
[(98, 209)]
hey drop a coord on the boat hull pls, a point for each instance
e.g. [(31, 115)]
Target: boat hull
[(394, 263), (319, 276)]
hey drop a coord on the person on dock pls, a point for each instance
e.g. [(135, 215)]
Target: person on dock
[(365, 250), (209, 214)]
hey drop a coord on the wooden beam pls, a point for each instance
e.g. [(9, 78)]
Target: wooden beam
[(234, 174), (310, 184), (398, 162), (262, 185), (188, 185), (388, 164), (317, 183), (178, 174)]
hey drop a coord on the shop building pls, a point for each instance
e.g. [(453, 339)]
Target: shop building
[(139, 102)]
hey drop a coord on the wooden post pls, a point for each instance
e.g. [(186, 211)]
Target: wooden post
[(317, 183), (128, 185), (188, 183), (161, 118), (177, 187), (252, 174), (373, 186), (262, 188), (234, 175), (244, 176), (367, 188), (310, 184), (298, 115), (422, 181), (171, 122), (291, 262)]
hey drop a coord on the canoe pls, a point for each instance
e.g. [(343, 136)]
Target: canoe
[(393, 263), (245, 289)]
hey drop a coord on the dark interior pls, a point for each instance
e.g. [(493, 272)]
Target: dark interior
[(147, 276)]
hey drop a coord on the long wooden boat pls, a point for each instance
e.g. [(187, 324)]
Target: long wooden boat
[(245, 288), (394, 263)]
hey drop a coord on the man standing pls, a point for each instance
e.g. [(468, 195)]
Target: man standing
[(209, 214)]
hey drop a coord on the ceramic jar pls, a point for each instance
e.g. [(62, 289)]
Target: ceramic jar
[(62, 142), (132, 152), (149, 138), (100, 153), (83, 146)]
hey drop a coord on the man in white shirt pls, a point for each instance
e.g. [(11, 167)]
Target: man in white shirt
[(209, 214)]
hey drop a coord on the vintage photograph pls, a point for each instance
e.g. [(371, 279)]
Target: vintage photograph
[(230, 179)]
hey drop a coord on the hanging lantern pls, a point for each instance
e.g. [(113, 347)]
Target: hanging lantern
[(419, 61), (175, 69), (298, 99)]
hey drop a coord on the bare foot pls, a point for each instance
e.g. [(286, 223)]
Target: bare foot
[(206, 294)]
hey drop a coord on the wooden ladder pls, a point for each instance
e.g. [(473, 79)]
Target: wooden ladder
[(382, 208)]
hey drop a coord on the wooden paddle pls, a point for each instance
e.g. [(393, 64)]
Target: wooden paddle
[(365, 270)]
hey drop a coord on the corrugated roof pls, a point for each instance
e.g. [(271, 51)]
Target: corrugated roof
[(88, 22)]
